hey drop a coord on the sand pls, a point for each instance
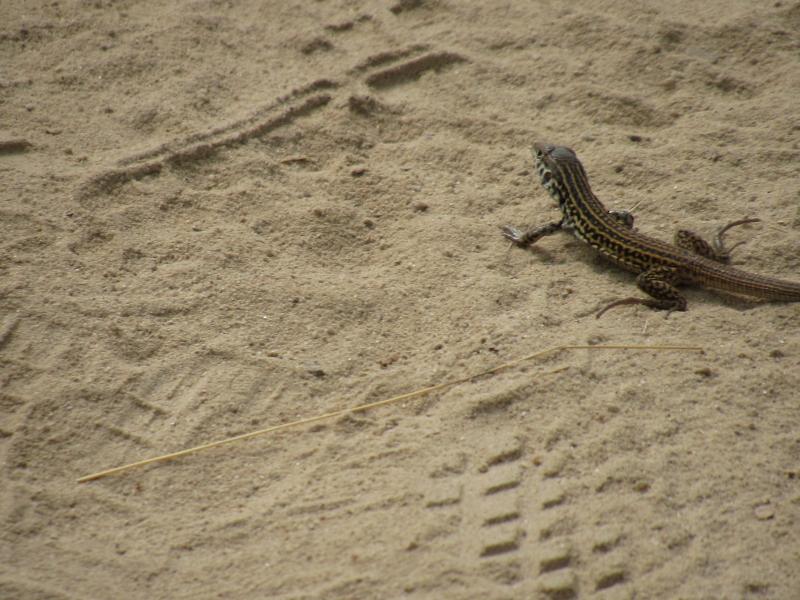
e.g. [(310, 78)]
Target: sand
[(222, 216)]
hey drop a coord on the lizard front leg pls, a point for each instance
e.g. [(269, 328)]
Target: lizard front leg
[(530, 237), (623, 217)]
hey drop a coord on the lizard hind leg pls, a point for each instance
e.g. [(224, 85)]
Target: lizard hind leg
[(688, 240), (660, 283)]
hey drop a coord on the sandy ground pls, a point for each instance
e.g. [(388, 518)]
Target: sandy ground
[(220, 216)]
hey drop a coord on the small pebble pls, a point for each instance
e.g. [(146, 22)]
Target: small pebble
[(316, 372), (764, 512)]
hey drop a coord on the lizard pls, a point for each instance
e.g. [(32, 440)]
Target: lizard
[(660, 267)]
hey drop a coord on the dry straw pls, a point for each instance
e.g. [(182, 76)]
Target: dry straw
[(364, 407)]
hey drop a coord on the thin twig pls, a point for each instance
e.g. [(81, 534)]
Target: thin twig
[(363, 407)]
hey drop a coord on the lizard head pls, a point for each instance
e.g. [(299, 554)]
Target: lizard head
[(553, 164)]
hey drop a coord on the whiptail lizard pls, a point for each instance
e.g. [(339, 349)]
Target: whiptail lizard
[(660, 266)]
